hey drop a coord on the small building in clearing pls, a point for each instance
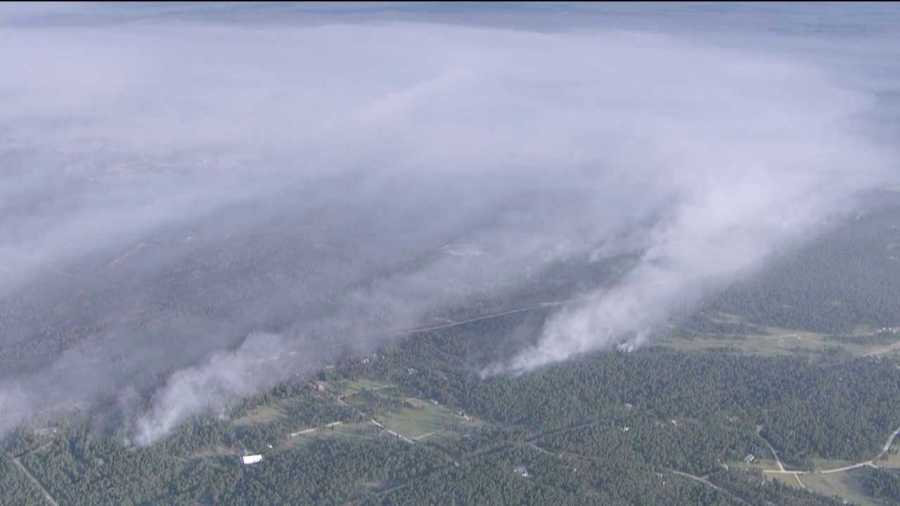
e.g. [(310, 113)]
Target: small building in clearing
[(251, 459)]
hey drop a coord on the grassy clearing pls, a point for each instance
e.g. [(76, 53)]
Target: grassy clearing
[(421, 420), (413, 418), (352, 430), (760, 463), (845, 485), (777, 341), (260, 414), (357, 386), (820, 464), (787, 479)]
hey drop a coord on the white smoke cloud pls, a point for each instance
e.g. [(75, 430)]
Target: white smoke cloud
[(175, 187), (771, 172), (210, 386)]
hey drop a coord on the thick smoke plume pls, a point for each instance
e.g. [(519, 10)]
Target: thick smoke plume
[(215, 208)]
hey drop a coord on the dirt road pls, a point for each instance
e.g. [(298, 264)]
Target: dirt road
[(34, 480)]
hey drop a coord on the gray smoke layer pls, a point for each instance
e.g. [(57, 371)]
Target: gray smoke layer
[(216, 208)]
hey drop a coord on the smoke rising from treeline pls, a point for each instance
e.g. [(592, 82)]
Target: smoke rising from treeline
[(196, 211)]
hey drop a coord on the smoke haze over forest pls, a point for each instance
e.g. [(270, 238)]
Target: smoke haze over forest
[(194, 208)]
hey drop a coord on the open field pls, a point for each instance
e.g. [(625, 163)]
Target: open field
[(426, 420), (845, 485), (261, 414), (831, 477), (865, 341)]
